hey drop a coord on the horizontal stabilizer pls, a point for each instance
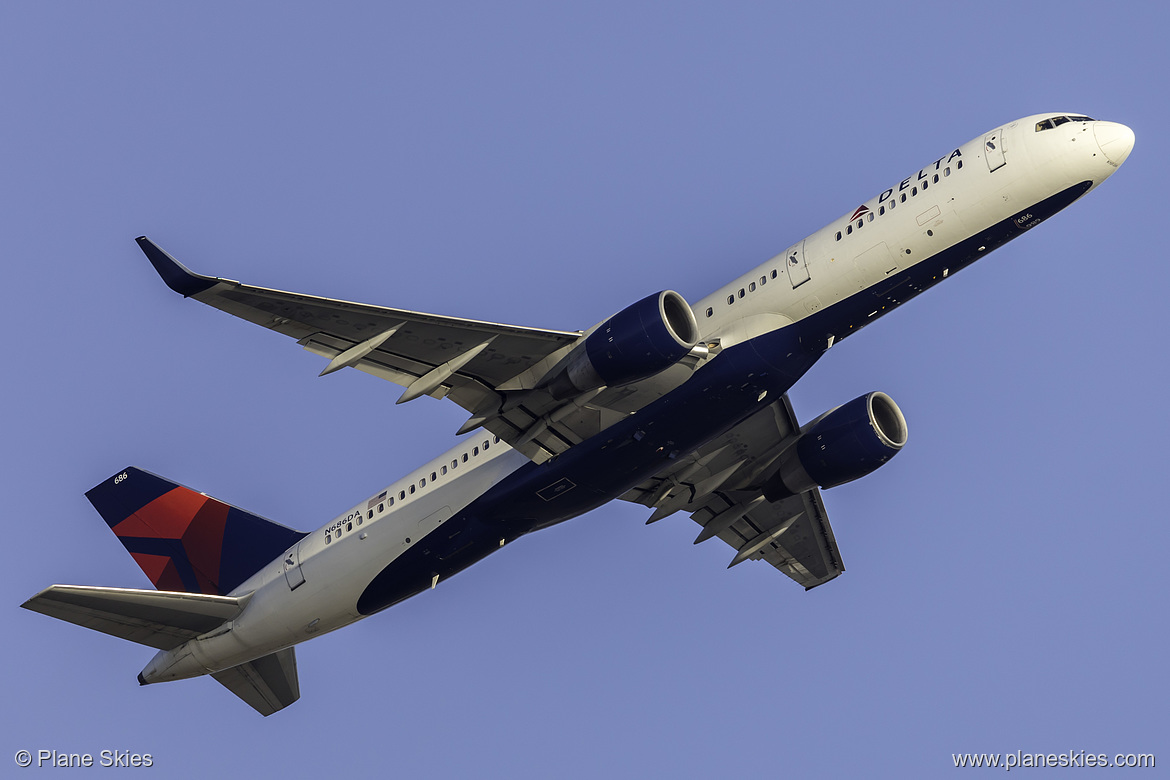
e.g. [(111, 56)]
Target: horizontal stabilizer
[(267, 684), (159, 619)]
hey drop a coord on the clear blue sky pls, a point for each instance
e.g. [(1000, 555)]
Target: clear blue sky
[(544, 164)]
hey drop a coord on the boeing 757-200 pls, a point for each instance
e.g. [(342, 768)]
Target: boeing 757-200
[(675, 406)]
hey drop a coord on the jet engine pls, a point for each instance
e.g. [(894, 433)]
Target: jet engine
[(640, 341), (840, 446)]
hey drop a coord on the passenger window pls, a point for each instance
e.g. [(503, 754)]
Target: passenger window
[(741, 292), (752, 287), (773, 273), (422, 482), (913, 191), (412, 490), (710, 311), (475, 450), (958, 165), (935, 179), (838, 235), (443, 470), (882, 210), (763, 280), (349, 526), (434, 476), (870, 216), (371, 516), (465, 457), (381, 508), (402, 495), (946, 171), (903, 198), (925, 184), (485, 446), (454, 463), (496, 439), (730, 299), (849, 230)]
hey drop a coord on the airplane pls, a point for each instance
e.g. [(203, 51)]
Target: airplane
[(672, 406)]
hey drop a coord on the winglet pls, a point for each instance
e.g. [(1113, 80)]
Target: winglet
[(177, 276)]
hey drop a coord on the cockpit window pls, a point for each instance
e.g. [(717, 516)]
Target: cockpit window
[(1057, 121)]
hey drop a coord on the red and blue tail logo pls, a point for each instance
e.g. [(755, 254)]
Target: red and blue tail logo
[(184, 540)]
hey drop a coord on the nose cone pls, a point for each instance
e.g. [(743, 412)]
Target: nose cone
[(1115, 139)]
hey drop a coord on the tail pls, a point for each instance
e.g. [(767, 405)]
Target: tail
[(165, 621), (183, 540)]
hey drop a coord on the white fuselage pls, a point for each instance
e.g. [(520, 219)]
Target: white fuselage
[(316, 586)]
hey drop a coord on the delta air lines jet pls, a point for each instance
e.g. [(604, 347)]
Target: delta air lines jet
[(675, 406)]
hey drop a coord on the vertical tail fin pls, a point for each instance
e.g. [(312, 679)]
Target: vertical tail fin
[(184, 540)]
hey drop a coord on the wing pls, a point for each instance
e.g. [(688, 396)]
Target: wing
[(491, 370), (721, 487)]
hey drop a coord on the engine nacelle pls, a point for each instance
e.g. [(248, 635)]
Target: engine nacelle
[(842, 445), (639, 341)]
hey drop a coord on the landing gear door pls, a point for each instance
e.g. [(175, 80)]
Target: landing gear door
[(993, 150), (797, 268), (292, 568)]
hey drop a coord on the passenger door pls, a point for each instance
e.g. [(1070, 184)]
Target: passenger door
[(993, 150), (292, 568), (795, 263)]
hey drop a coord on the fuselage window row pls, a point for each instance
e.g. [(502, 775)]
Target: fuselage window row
[(882, 209), (731, 298), (389, 502)]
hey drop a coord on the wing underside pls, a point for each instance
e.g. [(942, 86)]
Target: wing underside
[(721, 487), (487, 368), (490, 369)]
